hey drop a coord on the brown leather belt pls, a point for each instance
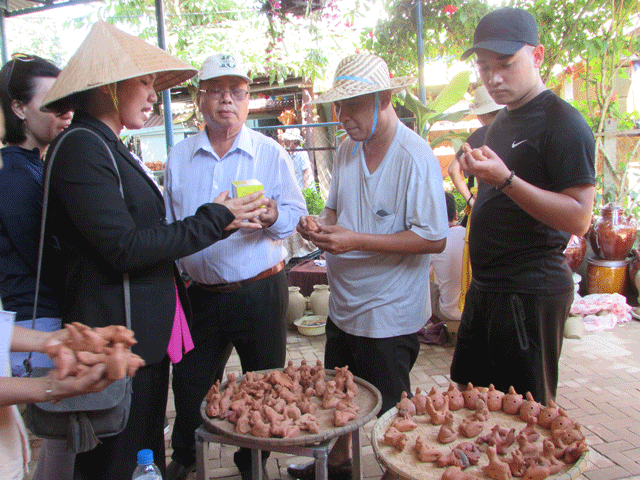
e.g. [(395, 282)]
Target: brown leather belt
[(233, 286)]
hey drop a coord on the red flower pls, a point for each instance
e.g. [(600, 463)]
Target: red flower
[(614, 97), (370, 33), (568, 70), (450, 9)]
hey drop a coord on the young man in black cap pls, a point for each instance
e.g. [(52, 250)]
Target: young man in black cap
[(537, 178)]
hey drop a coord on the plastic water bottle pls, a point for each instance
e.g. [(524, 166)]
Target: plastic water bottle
[(146, 469)]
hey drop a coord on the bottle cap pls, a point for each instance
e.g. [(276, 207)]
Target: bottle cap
[(145, 457)]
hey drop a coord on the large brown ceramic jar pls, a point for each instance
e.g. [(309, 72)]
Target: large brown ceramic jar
[(612, 235), (576, 248)]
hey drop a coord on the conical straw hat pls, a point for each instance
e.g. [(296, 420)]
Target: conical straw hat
[(360, 74), (109, 55)]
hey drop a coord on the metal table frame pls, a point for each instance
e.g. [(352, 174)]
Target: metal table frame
[(319, 451)]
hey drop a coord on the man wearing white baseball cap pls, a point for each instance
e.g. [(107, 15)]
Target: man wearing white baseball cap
[(384, 215), (537, 177), (300, 158), (239, 291)]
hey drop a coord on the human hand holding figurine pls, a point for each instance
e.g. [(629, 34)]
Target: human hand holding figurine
[(484, 164), (249, 208)]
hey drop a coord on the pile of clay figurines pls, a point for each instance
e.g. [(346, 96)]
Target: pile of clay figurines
[(534, 456), (282, 404)]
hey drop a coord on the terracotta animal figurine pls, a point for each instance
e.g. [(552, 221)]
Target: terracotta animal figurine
[(494, 399), (420, 401), (496, 469), (406, 408), (470, 395), (456, 473), (447, 432), (530, 409), (548, 414), (537, 472), (527, 448), (395, 438), (530, 431), (404, 424), (456, 400), (437, 416), (437, 398), (424, 452), (562, 421), (517, 463), (512, 402), (548, 455), (573, 452)]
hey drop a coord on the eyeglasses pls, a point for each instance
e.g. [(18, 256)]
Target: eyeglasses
[(238, 94), (16, 57)]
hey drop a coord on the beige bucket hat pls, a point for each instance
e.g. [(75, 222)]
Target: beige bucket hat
[(109, 55), (483, 103), (360, 74)]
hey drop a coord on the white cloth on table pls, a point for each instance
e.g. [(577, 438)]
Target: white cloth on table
[(601, 310)]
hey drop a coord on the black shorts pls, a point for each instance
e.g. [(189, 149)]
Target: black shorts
[(509, 339), (383, 362)]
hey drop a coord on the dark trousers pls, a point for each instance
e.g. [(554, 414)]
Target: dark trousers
[(383, 362), (115, 458), (252, 319), (511, 339)]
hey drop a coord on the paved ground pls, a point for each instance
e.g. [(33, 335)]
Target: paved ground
[(599, 386)]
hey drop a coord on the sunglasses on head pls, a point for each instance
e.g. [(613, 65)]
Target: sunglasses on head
[(16, 57)]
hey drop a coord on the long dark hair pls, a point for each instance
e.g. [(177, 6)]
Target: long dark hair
[(17, 82)]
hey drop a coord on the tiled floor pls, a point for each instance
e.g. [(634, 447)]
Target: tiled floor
[(599, 386)]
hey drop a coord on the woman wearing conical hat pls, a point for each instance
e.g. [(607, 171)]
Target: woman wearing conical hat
[(110, 219)]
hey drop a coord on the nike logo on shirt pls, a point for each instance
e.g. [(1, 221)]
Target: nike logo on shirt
[(515, 144)]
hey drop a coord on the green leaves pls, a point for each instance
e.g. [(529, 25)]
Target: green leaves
[(427, 115)]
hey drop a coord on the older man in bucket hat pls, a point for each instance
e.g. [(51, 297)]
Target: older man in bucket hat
[(239, 290), (536, 173), (384, 215)]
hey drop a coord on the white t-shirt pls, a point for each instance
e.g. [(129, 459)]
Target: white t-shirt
[(447, 273), (379, 295)]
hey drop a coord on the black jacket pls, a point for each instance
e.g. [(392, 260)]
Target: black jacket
[(103, 235)]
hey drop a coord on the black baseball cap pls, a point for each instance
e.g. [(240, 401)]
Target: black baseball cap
[(504, 31)]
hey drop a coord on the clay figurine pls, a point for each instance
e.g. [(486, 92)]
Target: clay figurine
[(456, 473), (496, 469), (425, 453), (537, 472), (420, 401), (548, 414), (470, 395), (456, 400), (517, 463), (437, 416), (406, 408), (437, 398), (548, 455), (530, 431), (494, 399), (561, 422), (530, 409), (512, 402), (395, 438), (404, 424), (447, 432)]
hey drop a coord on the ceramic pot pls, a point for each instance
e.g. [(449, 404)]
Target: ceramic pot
[(319, 300), (607, 276), (297, 306), (576, 248), (612, 235)]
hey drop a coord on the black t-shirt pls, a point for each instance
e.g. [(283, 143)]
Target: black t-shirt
[(548, 144)]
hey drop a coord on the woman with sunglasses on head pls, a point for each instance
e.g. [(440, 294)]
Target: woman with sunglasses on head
[(111, 222), (24, 81)]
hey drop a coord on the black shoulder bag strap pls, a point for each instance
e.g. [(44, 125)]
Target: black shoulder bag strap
[(45, 202)]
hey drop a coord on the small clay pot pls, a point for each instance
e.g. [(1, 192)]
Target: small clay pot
[(612, 236), (319, 300), (575, 251)]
